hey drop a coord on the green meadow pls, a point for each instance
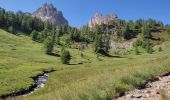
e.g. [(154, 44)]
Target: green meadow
[(87, 77)]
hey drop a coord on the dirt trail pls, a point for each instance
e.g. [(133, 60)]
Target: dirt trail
[(157, 90)]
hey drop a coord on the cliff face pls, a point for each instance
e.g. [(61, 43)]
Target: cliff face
[(50, 13), (98, 19)]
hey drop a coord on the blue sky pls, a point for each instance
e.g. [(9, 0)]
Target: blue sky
[(78, 12)]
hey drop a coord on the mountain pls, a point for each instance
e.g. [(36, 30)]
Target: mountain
[(50, 13), (98, 19)]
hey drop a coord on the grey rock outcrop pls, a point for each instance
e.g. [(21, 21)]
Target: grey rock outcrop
[(99, 19), (50, 13), (117, 45)]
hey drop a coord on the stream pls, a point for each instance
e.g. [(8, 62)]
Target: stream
[(39, 82)]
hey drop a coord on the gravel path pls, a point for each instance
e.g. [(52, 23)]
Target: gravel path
[(158, 90)]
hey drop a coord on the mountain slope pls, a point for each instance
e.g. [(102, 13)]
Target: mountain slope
[(20, 59), (94, 78)]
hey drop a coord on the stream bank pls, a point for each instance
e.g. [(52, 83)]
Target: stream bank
[(39, 82)]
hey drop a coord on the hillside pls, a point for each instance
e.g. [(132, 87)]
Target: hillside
[(42, 57), (21, 58)]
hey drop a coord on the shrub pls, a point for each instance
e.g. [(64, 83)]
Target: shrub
[(82, 55), (136, 51), (138, 42), (160, 49), (149, 49)]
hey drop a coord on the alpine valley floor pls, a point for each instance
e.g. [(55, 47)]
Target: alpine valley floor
[(85, 78)]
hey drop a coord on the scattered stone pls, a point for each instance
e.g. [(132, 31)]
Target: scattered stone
[(147, 96), (152, 91), (136, 96)]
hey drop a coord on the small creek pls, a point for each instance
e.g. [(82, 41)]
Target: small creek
[(39, 82)]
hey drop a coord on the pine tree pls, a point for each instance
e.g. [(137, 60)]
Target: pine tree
[(53, 34), (168, 29), (57, 38), (49, 45), (12, 30), (146, 33), (65, 56), (44, 34), (97, 44), (149, 49), (35, 36)]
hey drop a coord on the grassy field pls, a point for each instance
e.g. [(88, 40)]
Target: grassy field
[(94, 79)]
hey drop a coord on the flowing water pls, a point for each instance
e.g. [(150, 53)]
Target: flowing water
[(40, 82)]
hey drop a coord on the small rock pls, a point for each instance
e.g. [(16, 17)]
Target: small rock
[(128, 96), (146, 96), (148, 85), (157, 92), (148, 91), (136, 96)]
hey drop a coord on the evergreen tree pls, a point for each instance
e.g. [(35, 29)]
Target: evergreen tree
[(2, 20), (64, 29), (49, 45), (65, 56), (54, 33), (138, 25), (146, 33), (168, 29), (35, 36), (12, 30), (149, 49), (44, 34), (57, 38), (97, 44), (22, 22), (106, 43)]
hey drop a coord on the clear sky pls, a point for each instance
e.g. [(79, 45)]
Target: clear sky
[(78, 12)]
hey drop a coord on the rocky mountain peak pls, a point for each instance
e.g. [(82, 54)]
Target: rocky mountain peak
[(99, 19), (98, 15), (112, 16), (50, 13)]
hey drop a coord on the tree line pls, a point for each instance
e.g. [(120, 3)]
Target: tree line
[(99, 36), (21, 22)]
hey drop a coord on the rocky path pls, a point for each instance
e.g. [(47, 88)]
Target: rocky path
[(157, 90)]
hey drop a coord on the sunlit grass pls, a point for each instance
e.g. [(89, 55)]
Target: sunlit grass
[(94, 79)]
